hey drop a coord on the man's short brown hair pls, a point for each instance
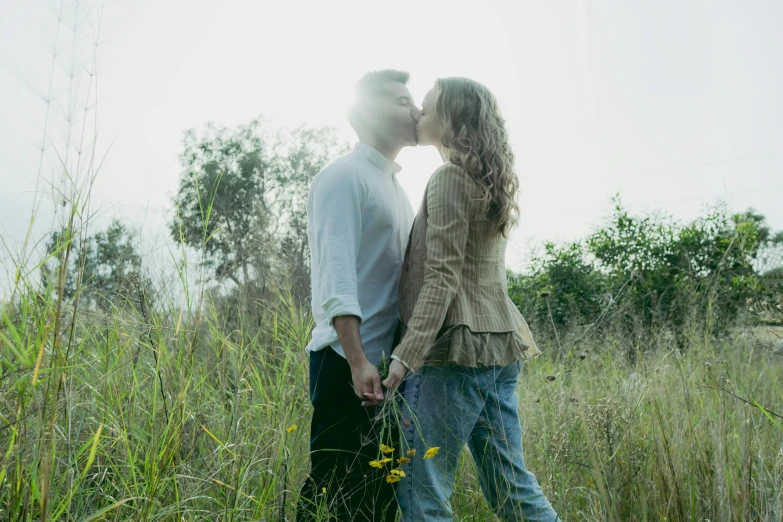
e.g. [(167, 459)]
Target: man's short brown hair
[(372, 82)]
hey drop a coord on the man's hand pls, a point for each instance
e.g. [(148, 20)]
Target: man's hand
[(366, 379), (367, 382), (396, 374)]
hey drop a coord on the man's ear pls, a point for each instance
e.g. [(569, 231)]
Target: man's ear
[(360, 118), (368, 117)]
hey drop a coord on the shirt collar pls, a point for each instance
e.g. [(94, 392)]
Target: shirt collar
[(376, 158)]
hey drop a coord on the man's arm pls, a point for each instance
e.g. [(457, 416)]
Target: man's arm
[(366, 379), (337, 197), (337, 201)]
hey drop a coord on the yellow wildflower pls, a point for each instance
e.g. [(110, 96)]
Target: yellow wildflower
[(376, 464), (291, 428), (411, 452), (323, 490), (431, 452), (386, 449), (403, 460), (391, 479), (385, 460), (398, 472)]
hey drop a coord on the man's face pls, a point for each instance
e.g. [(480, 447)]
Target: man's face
[(395, 115)]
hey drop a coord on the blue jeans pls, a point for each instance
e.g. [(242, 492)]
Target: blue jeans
[(449, 407)]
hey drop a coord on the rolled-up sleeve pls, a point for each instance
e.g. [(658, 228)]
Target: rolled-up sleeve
[(338, 196), (450, 200)]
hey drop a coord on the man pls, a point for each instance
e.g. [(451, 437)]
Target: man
[(359, 219)]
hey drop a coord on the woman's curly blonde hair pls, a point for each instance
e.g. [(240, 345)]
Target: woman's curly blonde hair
[(475, 139)]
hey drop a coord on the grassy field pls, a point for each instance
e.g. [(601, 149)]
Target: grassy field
[(174, 416), (182, 413)]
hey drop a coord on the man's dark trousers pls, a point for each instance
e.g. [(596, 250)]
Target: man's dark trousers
[(344, 438)]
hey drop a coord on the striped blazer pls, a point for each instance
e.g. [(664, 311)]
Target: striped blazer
[(454, 271)]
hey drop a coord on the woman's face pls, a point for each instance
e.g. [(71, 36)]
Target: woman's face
[(429, 129)]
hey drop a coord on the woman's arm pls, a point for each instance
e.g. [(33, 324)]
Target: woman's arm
[(450, 200)]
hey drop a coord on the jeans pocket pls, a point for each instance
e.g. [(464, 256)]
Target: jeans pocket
[(510, 373)]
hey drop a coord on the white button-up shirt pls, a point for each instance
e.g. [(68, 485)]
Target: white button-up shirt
[(359, 219)]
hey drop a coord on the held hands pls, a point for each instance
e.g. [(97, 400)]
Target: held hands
[(396, 375), (367, 382)]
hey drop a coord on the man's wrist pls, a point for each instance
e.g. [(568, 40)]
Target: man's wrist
[(347, 328), (355, 357)]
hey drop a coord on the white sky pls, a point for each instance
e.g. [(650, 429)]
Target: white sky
[(670, 103)]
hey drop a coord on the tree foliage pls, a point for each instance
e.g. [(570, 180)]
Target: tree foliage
[(241, 201), (104, 268), (650, 272)]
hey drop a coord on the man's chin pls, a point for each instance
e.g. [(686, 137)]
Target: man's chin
[(412, 141)]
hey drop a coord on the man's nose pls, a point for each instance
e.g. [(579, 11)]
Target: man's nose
[(416, 114)]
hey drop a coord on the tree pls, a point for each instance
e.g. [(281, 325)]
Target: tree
[(654, 272), (302, 153), (241, 200), (111, 269), (562, 288)]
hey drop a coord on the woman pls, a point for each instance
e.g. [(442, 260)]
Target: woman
[(464, 338)]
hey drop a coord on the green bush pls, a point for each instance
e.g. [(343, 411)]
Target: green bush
[(647, 273)]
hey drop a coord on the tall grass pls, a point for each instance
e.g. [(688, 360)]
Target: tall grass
[(172, 417), (168, 413)]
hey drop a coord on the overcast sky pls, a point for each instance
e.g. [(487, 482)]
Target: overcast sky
[(672, 104)]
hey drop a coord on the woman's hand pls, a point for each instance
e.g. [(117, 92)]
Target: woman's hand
[(397, 373)]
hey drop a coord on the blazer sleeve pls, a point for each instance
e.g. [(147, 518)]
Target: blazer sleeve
[(450, 200)]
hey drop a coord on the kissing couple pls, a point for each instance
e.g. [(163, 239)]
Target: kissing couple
[(430, 294)]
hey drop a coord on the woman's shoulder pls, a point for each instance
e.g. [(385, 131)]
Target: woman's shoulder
[(451, 173), (450, 168), (454, 175)]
